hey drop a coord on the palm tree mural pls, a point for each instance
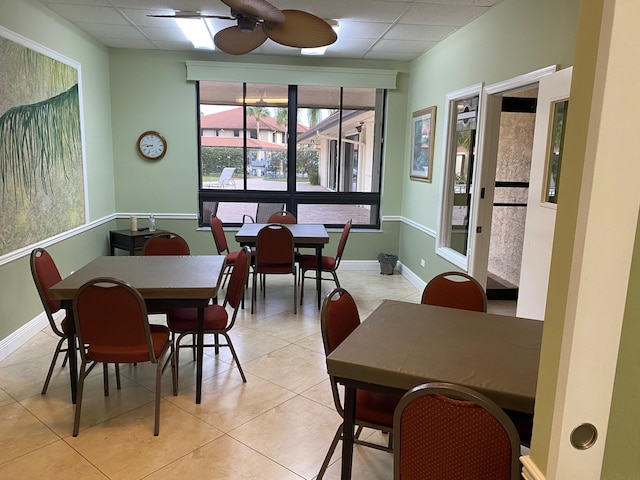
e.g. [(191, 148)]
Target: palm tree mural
[(41, 168)]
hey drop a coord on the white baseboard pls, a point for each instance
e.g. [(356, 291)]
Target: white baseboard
[(359, 265), (530, 471), (13, 342), (414, 279)]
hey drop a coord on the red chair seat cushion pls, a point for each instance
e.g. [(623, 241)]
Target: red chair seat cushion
[(133, 354), (310, 262), (375, 408), (186, 319), (232, 256)]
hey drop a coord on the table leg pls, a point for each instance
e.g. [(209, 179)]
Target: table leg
[(200, 353), (71, 351), (319, 275), (347, 434)]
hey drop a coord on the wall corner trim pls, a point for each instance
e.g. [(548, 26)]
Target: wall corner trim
[(530, 471)]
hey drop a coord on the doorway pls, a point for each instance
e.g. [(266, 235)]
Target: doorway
[(511, 189), (505, 152)]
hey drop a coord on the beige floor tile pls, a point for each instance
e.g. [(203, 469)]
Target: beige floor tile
[(22, 432), (312, 342), (57, 412), (320, 393), (145, 373), (227, 402), (56, 461), (279, 424), (125, 448), (5, 398), (224, 459), (286, 325), (292, 367), (368, 463), (295, 434)]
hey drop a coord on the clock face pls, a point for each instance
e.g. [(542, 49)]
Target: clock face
[(152, 145)]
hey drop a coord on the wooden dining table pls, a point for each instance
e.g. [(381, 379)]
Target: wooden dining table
[(402, 345), (304, 236), (163, 281)]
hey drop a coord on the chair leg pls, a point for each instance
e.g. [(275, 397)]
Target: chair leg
[(301, 281), (76, 420), (253, 292), (176, 353), (118, 376), (53, 364), (335, 279), (332, 449), (295, 291), (235, 356), (105, 376), (156, 423)]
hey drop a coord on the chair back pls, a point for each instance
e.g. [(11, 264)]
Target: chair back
[(338, 318), (226, 177), (283, 218), (343, 241), (45, 274), (238, 280), (449, 432), (166, 243), (218, 235), (111, 319), (274, 250), (455, 290), (265, 210)]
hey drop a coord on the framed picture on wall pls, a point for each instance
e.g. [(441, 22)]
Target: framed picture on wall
[(422, 130)]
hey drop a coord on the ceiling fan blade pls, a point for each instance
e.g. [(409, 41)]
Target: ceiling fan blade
[(256, 8), (234, 41), (301, 30)]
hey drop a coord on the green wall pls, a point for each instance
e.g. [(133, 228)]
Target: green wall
[(513, 38), (19, 301), (150, 92)]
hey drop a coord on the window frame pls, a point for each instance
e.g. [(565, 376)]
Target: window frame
[(445, 214), (290, 197)]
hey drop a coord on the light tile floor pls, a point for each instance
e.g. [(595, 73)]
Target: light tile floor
[(277, 426)]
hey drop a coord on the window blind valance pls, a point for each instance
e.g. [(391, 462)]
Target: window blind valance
[(292, 74)]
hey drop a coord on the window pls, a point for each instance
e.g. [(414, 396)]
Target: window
[(314, 149), (554, 160), (457, 187)]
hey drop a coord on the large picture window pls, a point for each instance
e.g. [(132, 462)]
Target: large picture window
[(314, 151)]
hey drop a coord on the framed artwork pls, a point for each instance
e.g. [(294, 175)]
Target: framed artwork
[(422, 130), (42, 175)]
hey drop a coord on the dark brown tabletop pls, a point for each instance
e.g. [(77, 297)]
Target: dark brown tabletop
[(167, 281), (402, 345)]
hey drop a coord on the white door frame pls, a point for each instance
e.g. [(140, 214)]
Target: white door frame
[(484, 186)]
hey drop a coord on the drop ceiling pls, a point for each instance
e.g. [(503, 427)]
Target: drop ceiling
[(368, 29)]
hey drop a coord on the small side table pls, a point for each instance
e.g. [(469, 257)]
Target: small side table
[(128, 240)]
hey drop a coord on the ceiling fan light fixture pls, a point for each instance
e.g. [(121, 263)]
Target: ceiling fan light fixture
[(314, 51), (196, 30), (246, 24)]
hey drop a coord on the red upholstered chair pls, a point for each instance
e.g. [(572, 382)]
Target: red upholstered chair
[(45, 274), (455, 290), (166, 243), (274, 256), (450, 432), (184, 321), (328, 264), (111, 321), (338, 318), (283, 218), (223, 247)]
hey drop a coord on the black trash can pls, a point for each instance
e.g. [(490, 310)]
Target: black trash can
[(387, 263)]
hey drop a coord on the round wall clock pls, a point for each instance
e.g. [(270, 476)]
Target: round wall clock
[(152, 145)]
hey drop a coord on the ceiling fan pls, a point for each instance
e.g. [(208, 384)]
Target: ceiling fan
[(258, 20)]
